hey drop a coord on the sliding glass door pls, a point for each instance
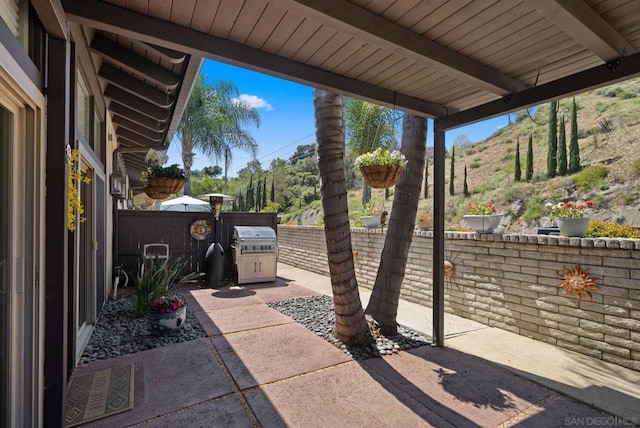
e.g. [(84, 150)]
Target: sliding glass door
[(6, 132)]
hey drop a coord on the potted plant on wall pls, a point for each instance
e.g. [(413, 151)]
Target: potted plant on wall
[(159, 181), (482, 218), (424, 221), (381, 168), (571, 218), (370, 215)]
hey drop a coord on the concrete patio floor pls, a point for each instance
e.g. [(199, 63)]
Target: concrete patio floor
[(258, 367)]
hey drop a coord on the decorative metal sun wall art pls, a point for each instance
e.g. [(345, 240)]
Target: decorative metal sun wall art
[(577, 282)]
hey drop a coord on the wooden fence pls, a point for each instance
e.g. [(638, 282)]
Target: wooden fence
[(136, 228)]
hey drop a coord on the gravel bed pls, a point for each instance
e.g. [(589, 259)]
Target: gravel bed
[(317, 314), (119, 332)]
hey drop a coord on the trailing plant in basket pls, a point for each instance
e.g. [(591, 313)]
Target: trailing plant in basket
[(155, 159), (381, 157), (157, 279)]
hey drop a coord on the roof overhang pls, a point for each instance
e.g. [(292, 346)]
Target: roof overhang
[(456, 61)]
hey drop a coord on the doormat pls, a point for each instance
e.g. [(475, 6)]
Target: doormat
[(98, 395)]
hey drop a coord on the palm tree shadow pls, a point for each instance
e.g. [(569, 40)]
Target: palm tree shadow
[(461, 389)]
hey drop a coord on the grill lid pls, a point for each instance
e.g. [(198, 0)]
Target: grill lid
[(253, 232)]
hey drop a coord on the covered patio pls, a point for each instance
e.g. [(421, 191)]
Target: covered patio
[(110, 78), (457, 62)]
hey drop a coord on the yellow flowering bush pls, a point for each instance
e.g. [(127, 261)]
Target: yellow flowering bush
[(75, 209)]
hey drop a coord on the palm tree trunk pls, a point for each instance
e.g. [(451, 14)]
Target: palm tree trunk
[(383, 305), (226, 168), (351, 326), (187, 163)]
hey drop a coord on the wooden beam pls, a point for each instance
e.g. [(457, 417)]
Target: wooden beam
[(134, 63), (141, 130), (139, 118), (170, 55), (596, 77), (137, 138), (585, 26), (352, 19), (136, 103), (51, 14), (135, 86), (104, 16)]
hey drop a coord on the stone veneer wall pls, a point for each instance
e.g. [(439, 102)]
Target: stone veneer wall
[(509, 282)]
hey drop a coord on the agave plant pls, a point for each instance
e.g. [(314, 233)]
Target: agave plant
[(156, 278)]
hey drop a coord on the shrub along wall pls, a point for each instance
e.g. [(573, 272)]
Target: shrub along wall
[(509, 282)]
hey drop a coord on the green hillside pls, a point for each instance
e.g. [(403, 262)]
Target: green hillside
[(609, 141)]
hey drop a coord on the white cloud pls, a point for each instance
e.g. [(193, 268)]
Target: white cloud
[(253, 101)]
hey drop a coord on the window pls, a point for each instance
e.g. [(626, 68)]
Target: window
[(83, 106), (97, 142)]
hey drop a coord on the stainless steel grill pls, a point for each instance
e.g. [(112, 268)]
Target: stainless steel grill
[(255, 251)]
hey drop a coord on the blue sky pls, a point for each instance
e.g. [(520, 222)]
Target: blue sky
[(287, 119)]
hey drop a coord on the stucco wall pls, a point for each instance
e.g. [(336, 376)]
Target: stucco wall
[(510, 282)]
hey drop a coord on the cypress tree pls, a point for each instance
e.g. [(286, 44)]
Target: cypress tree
[(273, 190), (465, 188), (574, 149), (241, 206), (552, 153), (426, 179), (234, 206), (386, 193), (562, 149), (250, 200), (452, 173), (264, 192), (258, 195), (518, 171), (529, 173)]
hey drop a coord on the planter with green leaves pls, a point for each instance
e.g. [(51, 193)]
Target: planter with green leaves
[(159, 181), (370, 215), (158, 279)]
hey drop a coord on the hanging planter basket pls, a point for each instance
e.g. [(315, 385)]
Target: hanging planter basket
[(381, 176), (166, 185), (153, 193)]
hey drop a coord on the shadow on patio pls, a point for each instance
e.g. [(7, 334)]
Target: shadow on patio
[(258, 367)]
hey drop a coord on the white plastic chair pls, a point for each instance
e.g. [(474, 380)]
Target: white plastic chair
[(159, 252)]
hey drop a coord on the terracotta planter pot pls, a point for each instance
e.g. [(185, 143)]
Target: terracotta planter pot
[(424, 224)]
